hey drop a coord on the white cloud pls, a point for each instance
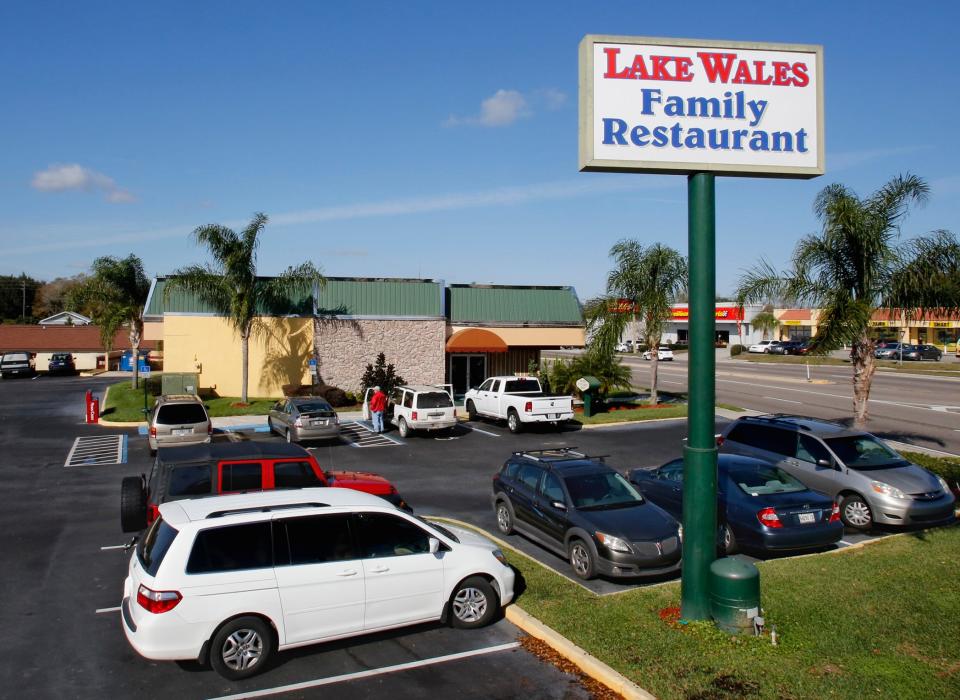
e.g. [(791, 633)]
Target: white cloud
[(65, 177), (502, 109), (551, 98)]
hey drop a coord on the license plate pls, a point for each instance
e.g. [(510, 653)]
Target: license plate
[(318, 422), (434, 416), (182, 431), (805, 517)]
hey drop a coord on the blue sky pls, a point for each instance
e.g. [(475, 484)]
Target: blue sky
[(419, 139)]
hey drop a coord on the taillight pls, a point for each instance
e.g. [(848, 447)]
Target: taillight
[(835, 513), (153, 512), (153, 431), (454, 413), (768, 517), (210, 428), (528, 407), (298, 423), (719, 440), (157, 601), (413, 415)]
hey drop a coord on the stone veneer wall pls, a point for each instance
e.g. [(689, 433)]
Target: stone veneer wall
[(345, 347)]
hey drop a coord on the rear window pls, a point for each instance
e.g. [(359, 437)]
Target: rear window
[(315, 407), (190, 480), (231, 548), (756, 480), (15, 357), (295, 475), (435, 399), (522, 385), (179, 413), (153, 547)]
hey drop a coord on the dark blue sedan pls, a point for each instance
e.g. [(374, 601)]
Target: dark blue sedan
[(759, 505)]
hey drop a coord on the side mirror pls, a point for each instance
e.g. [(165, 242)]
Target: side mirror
[(559, 505), (434, 545)]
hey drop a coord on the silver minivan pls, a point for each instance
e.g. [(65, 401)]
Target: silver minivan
[(178, 419), (872, 483)]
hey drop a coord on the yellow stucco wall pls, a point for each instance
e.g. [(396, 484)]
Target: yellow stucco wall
[(533, 337), (210, 346)]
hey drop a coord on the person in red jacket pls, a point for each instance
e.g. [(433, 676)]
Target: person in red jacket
[(378, 404)]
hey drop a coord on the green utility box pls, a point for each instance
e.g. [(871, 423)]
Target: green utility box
[(590, 389), (734, 594), (179, 383)]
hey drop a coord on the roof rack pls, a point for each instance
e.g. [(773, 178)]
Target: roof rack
[(557, 454), (265, 509)]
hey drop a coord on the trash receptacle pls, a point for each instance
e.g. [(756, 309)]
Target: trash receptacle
[(734, 594), (590, 389)]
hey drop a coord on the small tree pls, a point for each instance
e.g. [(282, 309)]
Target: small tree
[(765, 322), (382, 375)]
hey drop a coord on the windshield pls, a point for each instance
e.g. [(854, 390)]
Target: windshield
[(864, 452), (435, 399), (153, 547), (517, 386), (601, 491), (437, 526), (756, 481)]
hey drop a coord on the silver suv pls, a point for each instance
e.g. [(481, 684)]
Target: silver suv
[(872, 483), (178, 419)]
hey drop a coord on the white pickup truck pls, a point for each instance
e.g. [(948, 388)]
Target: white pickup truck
[(517, 400)]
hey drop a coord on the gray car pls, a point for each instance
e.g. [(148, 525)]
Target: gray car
[(178, 419), (872, 483), (304, 418)]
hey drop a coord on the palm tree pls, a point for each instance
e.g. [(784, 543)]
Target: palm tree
[(856, 265), (650, 279), (231, 286), (115, 295), (766, 322)]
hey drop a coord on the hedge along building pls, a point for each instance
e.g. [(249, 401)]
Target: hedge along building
[(349, 321)]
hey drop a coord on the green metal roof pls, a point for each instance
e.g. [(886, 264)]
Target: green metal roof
[(339, 297), (503, 304), (343, 296)]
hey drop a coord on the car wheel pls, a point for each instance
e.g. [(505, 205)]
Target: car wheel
[(504, 517), (270, 427), (513, 421), (473, 603), (403, 428), (241, 648), (582, 561), (856, 513), (133, 504), (289, 435), (727, 540), (471, 411)]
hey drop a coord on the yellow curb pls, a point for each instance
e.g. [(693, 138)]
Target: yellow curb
[(587, 663), (589, 426)]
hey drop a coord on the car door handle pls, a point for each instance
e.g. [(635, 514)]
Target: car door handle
[(348, 572), (380, 570)]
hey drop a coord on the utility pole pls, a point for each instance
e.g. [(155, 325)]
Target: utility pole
[(23, 308)]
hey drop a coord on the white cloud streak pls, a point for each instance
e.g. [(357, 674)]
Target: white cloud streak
[(67, 177), (506, 107)]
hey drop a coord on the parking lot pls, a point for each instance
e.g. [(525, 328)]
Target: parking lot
[(64, 560)]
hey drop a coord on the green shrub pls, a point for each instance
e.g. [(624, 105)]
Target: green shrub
[(736, 350)]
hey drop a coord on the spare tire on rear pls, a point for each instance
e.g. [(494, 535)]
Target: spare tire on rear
[(133, 504)]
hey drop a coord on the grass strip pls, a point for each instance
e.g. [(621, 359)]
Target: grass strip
[(878, 621), (640, 413), (125, 404)]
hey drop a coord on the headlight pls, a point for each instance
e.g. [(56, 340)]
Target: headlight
[(887, 489), (680, 532), (498, 555), (943, 484), (614, 544)]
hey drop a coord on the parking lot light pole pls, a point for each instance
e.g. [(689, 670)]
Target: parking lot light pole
[(700, 452)]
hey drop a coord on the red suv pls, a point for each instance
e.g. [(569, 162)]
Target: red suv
[(234, 467)]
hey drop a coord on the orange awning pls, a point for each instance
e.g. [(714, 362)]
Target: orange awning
[(475, 340)]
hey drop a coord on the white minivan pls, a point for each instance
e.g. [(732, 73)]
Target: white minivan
[(418, 407), (229, 580)]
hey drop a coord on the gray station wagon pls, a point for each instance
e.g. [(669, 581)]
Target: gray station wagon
[(872, 483)]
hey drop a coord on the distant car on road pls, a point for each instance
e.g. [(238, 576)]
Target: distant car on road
[(789, 347), (304, 418), (763, 346), (759, 506), (664, 353), (889, 350), (922, 352), (61, 363), (587, 512), (16, 363)]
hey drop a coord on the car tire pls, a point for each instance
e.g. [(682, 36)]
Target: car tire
[(403, 428), (504, 512), (270, 428), (133, 504), (241, 648), (513, 421), (471, 411), (289, 436), (726, 541), (582, 559), (855, 512), (473, 603)]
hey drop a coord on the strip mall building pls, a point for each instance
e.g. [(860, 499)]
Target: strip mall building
[(433, 333)]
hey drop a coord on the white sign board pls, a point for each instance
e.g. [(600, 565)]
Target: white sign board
[(685, 105)]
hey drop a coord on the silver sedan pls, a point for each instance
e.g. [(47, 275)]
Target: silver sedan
[(306, 418)]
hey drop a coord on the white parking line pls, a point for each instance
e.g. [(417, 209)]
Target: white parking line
[(774, 398), (470, 427), (368, 674), (849, 544), (107, 610), (113, 546)]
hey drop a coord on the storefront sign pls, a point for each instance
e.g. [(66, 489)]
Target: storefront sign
[(623, 306), (723, 313), (884, 324), (684, 106), (791, 323)]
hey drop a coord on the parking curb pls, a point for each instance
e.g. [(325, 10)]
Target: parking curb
[(590, 665)]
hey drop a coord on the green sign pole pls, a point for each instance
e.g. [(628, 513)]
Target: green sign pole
[(700, 453)]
